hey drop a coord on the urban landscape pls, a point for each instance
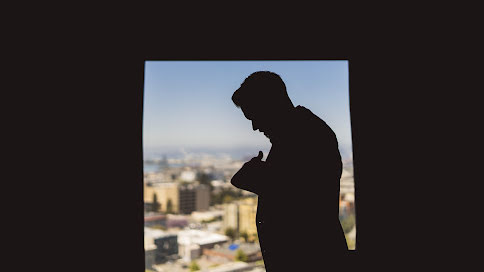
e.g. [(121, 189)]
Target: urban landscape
[(196, 220), (195, 139)]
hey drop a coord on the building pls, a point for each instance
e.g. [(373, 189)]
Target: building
[(202, 198), (191, 242), (241, 216), (159, 246), (193, 197), (247, 216), (188, 175), (150, 255), (176, 198), (150, 178), (166, 246), (176, 221), (167, 196), (187, 200), (231, 216)]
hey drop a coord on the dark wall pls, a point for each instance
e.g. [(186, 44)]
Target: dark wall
[(96, 138)]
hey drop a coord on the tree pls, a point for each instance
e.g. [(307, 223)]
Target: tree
[(256, 237), (241, 256), (244, 235), (225, 196), (205, 178), (227, 199), (156, 205), (230, 232), (169, 206), (194, 266)]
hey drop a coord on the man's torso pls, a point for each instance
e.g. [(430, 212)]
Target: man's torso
[(300, 204)]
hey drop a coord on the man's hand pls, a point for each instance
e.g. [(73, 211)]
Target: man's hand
[(250, 173), (255, 165), (258, 158)]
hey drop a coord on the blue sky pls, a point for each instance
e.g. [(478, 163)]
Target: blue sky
[(187, 103)]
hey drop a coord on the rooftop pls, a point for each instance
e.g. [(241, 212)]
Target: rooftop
[(193, 236), (154, 233)]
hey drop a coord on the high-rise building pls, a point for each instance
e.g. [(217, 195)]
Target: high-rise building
[(231, 216), (202, 198), (167, 195), (241, 216), (247, 216), (187, 200), (176, 198), (193, 197)]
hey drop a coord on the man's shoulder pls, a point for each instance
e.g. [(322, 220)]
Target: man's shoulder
[(310, 122)]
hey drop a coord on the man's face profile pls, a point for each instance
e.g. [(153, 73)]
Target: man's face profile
[(261, 119)]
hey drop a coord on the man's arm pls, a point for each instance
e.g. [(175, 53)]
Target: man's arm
[(252, 175)]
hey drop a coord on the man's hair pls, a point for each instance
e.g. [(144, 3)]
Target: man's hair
[(262, 86)]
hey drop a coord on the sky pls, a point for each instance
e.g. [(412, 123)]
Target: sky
[(187, 104)]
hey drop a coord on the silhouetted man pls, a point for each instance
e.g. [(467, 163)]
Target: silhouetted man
[(298, 184)]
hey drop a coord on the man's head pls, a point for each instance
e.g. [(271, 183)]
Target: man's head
[(263, 99)]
